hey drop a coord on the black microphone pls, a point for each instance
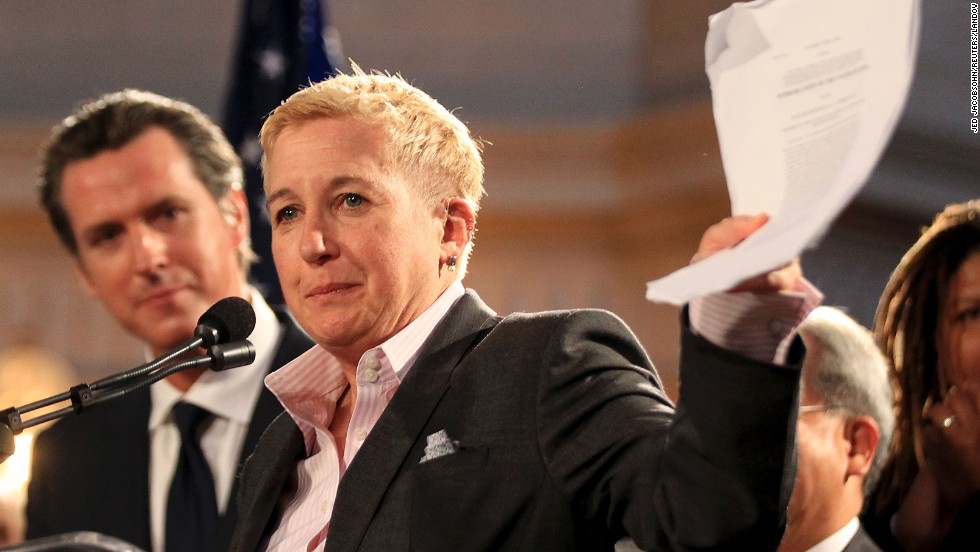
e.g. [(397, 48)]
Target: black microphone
[(222, 356), (230, 319), (231, 355), (219, 357)]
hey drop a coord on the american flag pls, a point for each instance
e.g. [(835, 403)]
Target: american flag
[(282, 46)]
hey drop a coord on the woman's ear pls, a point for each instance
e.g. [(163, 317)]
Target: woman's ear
[(458, 227)]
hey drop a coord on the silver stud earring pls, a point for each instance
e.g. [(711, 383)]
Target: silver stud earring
[(451, 263)]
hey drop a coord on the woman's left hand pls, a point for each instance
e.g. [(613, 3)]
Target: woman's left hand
[(951, 442)]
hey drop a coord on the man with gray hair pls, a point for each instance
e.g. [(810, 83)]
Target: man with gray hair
[(844, 430)]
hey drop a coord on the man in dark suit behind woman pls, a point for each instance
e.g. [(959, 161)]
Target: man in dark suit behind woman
[(422, 420), (146, 194), (843, 432)]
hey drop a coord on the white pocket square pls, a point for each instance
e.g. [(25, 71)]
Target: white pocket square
[(439, 444)]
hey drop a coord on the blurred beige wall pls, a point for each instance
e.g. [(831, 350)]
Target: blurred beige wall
[(602, 173)]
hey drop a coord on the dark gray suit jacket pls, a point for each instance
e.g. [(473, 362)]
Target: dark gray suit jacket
[(861, 543), (568, 443), (91, 472)]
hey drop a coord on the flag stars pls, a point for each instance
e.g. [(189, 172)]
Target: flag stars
[(250, 150), (272, 63)]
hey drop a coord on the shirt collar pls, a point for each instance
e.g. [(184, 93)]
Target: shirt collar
[(231, 393), (839, 540), (402, 349), (309, 386)]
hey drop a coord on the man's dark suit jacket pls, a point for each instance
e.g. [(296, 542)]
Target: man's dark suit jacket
[(861, 542), (91, 472), (567, 439)]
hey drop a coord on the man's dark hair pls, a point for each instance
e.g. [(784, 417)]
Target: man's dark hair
[(114, 120)]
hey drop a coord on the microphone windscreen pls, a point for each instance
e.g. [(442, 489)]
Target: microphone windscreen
[(232, 317)]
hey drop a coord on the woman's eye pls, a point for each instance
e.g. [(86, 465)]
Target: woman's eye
[(969, 314), (353, 201)]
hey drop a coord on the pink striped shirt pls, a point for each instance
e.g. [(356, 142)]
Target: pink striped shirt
[(760, 326), (309, 387)]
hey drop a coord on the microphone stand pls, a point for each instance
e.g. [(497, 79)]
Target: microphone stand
[(219, 357), (204, 336)]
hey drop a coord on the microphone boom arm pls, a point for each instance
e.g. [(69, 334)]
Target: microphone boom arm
[(221, 330), (219, 357)]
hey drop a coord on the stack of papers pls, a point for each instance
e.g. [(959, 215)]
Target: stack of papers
[(806, 95)]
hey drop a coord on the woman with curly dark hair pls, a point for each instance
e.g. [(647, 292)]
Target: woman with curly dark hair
[(928, 325)]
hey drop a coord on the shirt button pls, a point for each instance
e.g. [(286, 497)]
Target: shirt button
[(371, 376), (372, 363), (360, 434), (776, 327)]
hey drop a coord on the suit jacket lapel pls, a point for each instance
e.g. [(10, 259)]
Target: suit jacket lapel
[(861, 542), (133, 442), (267, 471), (382, 454), (292, 344)]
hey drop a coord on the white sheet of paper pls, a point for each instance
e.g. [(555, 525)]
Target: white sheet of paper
[(806, 95)]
